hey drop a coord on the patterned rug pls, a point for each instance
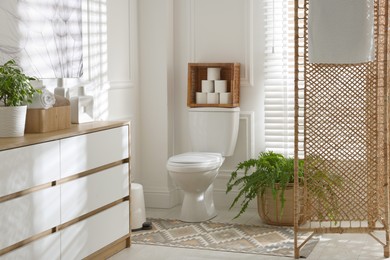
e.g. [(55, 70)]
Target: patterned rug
[(264, 240)]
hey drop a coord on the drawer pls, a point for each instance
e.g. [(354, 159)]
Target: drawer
[(89, 151), (91, 192), (88, 236), (26, 167), (28, 215), (46, 248)]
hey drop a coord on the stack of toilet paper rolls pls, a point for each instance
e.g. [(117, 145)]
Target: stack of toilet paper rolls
[(214, 90)]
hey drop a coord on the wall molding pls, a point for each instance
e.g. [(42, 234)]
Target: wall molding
[(94, 57), (191, 30), (222, 199), (247, 80), (249, 119), (162, 198), (95, 34), (121, 84), (249, 51), (133, 41)]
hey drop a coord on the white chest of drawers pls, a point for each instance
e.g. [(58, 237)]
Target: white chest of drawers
[(65, 194)]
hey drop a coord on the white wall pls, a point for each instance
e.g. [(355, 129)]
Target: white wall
[(136, 55), (110, 36), (156, 99), (110, 66), (171, 34), (110, 50), (122, 60)]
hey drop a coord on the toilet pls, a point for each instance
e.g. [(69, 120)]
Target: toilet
[(213, 133)]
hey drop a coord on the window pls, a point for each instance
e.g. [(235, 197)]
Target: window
[(279, 76)]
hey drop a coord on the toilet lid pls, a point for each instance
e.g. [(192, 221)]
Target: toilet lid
[(189, 162)]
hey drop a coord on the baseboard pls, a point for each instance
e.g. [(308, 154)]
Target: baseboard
[(172, 198), (162, 198), (157, 198), (223, 200)]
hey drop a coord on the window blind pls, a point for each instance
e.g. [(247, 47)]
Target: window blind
[(279, 76)]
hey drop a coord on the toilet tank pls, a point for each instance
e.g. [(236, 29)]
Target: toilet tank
[(214, 129)]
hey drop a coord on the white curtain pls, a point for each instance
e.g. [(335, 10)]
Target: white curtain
[(279, 76)]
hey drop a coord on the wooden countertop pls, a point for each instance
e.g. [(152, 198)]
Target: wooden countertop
[(75, 129)]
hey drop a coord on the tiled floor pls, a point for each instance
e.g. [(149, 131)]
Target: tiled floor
[(330, 247)]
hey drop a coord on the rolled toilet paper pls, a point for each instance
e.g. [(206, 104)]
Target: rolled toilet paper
[(207, 86), (220, 86), (201, 98), (213, 73), (212, 98), (225, 98)]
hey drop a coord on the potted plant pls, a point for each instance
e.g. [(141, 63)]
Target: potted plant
[(16, 92), (270, 178)]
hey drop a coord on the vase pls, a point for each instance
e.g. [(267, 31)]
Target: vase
[(12, 121), (81, 107)]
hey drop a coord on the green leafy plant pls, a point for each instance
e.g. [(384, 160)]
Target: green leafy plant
[(275, 172), (15, 86), (322, 184)]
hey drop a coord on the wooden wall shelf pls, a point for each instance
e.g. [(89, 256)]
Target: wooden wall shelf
[(198, 72)]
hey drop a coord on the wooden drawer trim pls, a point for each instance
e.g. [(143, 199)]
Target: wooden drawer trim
[(111, 249), (62, 226), (93, 212), (27, 241), (61, 181), (74, 130), (93, 171), (27, 191)]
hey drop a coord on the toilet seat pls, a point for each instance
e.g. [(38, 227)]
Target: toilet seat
[(195, 162)]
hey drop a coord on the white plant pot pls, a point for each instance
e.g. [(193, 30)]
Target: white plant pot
[(12, 121)]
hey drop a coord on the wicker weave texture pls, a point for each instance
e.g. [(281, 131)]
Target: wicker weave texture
[(341, 118), (198, 72), (341, 126)]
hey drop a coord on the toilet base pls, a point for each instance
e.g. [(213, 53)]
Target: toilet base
[(198, 207)]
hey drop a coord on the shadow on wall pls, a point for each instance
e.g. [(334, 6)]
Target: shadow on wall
[(59, 39), (44, 37)]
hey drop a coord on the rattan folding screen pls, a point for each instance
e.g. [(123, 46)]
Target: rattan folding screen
[(341, 127)]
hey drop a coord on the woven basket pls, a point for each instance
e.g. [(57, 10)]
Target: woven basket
[(270, 210), (198, 72)]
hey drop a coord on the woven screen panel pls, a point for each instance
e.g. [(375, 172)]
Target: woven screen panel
[(341, 128), (343, 107)]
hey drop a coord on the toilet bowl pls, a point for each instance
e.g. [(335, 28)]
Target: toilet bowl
[(213, 134), (194, 173)]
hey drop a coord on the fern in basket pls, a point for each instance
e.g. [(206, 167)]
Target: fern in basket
[(275, 172), (269, 170)]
